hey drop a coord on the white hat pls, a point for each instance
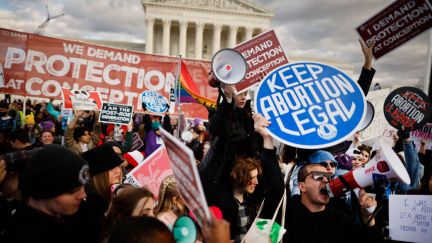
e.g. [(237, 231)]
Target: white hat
[(134, 158)]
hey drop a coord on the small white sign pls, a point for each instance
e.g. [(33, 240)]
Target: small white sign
[(410, 218)]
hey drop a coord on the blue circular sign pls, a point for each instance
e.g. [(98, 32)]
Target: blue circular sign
[(310, 105), (154, 102)]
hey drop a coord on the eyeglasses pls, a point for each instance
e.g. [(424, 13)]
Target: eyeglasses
[(325, 164), (318, 176)]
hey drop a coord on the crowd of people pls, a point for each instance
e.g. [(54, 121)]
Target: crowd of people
[(61, 180)]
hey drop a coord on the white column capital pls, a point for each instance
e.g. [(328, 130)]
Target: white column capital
[(199, 25), (166, 22), (217, 26), (183, 22), (150, 20), (233, 27)]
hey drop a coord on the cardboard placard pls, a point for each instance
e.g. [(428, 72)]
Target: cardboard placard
[(115, 114), (262, 53), (186, 173), (395, 25), (81, 100), (152, 171), (137, 143), (310, 105), (410, 218), (379, 123), (423, 134), (154, 102), (407, 107)]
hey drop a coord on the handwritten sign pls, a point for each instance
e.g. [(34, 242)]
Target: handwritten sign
[(395, 25), (186, 173), (410, 218), (152, 171), (116, 114), (310, 105), (379, 123), (262, 54)]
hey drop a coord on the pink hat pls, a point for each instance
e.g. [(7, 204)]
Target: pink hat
[(134, 158)]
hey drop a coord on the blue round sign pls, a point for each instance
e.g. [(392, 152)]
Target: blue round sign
[(310, 105), (154, 102)]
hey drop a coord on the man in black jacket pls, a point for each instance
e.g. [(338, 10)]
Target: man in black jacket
[(53, 182), (311, 217)]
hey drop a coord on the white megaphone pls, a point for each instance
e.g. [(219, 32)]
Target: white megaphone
[(384, 164), (228, 66), (370, 114)]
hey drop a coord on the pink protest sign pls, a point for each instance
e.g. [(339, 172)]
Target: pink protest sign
[(152, 171)]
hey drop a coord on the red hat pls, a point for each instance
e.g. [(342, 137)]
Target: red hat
[(134, 158)]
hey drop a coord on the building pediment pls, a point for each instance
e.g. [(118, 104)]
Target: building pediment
[(220, 5)]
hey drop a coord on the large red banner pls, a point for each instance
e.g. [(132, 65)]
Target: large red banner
[(39, 66)]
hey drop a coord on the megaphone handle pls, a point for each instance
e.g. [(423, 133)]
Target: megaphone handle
[(221, 93), (345, 183)]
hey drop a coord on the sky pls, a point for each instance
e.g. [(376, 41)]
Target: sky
[(312, 29)]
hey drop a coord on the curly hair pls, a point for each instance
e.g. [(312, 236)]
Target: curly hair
[(240, 175)]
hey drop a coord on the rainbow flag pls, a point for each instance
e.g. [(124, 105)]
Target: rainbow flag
[(189, 92)]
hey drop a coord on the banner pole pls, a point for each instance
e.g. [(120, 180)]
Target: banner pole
[(178, 86)]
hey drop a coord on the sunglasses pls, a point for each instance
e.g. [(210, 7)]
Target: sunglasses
[(331, 164), (318, 176)]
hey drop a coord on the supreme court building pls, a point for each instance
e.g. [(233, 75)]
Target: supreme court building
[(199, 28)]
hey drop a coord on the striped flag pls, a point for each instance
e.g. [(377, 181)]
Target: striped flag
[(189, 92)]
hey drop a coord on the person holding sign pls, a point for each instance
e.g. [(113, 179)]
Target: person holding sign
[(240, 195), (231, 129), (79, 139)]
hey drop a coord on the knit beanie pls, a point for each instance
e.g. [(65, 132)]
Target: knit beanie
[(321, 156), (30, 120), (46, 125), (134, 158), (101, 159), (52, 171)]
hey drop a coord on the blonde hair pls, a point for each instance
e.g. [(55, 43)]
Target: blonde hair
[(167, 191)]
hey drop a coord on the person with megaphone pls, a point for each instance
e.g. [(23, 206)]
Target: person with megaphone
[(312, 215)]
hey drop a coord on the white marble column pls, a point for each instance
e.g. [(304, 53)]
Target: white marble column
[(248, 33), (183, 37), (149, 35), (217, 30), (166, 37), (232, 41), (199, 29)]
